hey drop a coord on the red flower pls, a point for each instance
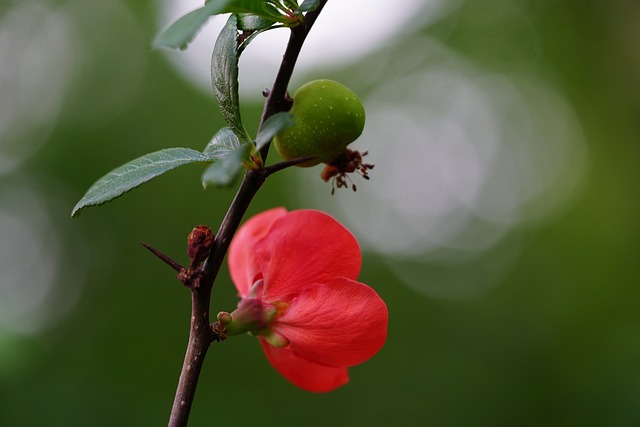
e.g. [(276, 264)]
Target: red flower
[(295, 272)]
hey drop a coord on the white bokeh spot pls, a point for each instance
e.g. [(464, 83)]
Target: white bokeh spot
[(346, 31), (463, 159)]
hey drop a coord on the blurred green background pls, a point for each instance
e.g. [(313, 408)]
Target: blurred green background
[(500, 224)]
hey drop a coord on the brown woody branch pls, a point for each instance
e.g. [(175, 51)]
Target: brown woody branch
[(200, 334)]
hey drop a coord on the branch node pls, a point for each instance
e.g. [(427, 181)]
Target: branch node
[(218, 333)]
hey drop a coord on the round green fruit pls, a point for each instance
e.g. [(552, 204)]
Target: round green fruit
[(329, 116)]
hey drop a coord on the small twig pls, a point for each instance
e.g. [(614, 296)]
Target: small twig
[(276, 167)]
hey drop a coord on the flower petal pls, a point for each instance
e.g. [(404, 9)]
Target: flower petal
[(304, 247), (242, 261), (339, 323), (302, 373)]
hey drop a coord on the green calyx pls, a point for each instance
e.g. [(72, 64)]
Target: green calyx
[(329, 116), (252, 315)]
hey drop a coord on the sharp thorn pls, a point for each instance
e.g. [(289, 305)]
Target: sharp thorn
[(164, 258)]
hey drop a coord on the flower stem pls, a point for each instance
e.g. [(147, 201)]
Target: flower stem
[(200, 335)]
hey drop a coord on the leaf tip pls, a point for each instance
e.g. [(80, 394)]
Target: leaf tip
[(160, 43), (75, 212)]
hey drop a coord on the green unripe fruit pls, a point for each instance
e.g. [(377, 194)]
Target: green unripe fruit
[(329, 116)]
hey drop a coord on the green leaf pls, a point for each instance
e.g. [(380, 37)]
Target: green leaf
[(183, 31), (247, 22), (262, 8), (252, 26), (253, 35), (222, 144), (292, 4), (224, 77), (273, 126), (308, 6), (136, 172), (224, 171)]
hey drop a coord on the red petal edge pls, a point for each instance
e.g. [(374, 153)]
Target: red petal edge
[(243, 265), (304, 247), (300, 372), (339, 323)]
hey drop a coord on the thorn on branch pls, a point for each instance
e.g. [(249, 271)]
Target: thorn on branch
[(164, 258), (200, 241)]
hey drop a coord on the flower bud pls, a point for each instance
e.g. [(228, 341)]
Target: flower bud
[(199, 243), (252, 315), (224, 318)]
